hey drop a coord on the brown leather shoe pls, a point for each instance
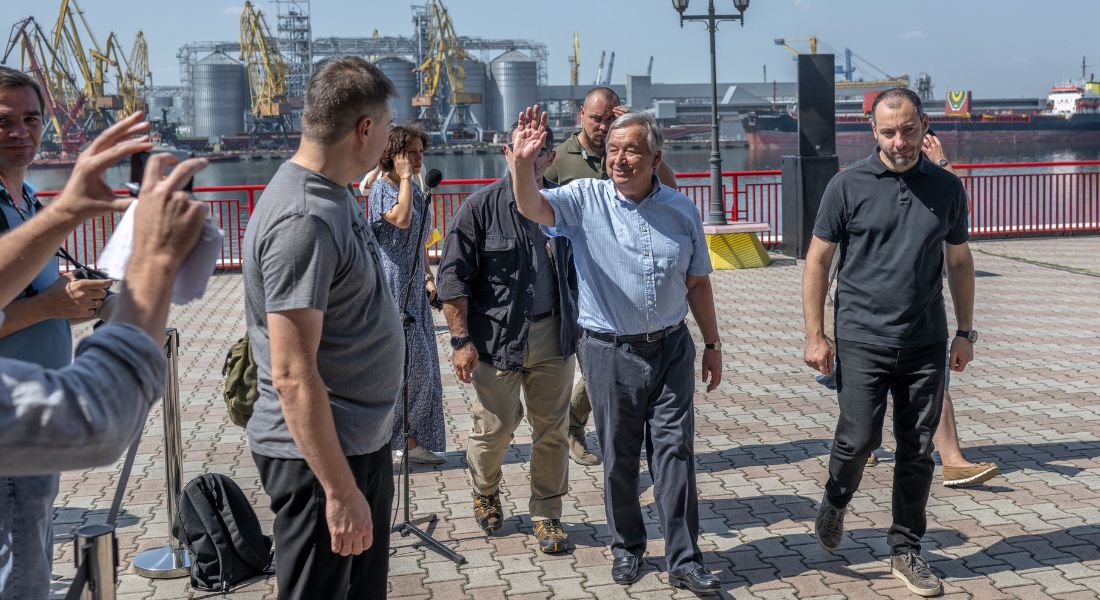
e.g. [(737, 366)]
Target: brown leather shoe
[(578, 451), (552, 538), (487, 513)]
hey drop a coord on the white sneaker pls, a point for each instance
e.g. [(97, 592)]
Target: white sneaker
[(422, 455)]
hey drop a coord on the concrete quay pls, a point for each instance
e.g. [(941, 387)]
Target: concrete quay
[(1029, 402)]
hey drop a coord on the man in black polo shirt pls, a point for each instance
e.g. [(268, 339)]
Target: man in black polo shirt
[(896, 217)]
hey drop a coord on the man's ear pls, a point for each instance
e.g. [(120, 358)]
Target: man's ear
[(364, 128)]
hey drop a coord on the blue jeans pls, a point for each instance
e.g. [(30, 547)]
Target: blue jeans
[(26, 536)]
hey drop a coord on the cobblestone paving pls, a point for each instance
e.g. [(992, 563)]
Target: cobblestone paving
[(1029, 402)]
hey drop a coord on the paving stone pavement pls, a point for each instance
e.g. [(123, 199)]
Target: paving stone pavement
[(1028, 402)]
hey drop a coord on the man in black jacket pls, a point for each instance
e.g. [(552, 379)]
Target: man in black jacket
[(509, 295)]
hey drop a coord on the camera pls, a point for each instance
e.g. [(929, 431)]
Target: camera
[(107, 307), (137, 172)]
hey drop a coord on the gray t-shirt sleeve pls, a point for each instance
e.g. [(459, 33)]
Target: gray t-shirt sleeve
[(831, 221), (298, 262)]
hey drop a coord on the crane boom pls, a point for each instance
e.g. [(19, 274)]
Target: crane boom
[(265, 66)]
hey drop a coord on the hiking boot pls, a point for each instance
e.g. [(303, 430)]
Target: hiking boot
[(972, 475), (578, 451), (829, 525), (916, 574), (487, 513), (552, 538)]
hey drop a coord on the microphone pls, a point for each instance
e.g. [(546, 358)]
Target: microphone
[(433, 179)]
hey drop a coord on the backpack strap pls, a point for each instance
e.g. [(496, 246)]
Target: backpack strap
[(241, 545), (210, 523)]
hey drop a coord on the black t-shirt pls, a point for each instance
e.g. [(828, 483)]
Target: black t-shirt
[(890, 228)]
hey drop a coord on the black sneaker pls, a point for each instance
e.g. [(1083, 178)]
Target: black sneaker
[(916, 574), (829, 525)]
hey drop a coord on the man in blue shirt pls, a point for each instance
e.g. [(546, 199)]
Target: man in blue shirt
[(35, 330), (642, 263)]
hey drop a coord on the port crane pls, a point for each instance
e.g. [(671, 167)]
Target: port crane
[(848, 70), (442, 70), (73, 71), (574, 71), (64, 101), (267, 70)]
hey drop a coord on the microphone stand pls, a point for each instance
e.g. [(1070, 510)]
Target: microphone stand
[(407, 526)]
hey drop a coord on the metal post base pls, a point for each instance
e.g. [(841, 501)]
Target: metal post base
[(428, 541), (163, 563)]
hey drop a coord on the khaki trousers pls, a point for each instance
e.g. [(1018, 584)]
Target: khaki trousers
[(546, 381)]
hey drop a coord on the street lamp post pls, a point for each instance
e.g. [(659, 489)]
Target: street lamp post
[(716, 214)]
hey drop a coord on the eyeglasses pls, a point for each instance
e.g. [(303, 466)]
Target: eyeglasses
[(544, 151)]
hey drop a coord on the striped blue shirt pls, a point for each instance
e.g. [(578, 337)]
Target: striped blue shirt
[(632, 258)]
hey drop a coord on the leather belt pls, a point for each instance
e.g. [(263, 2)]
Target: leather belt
[(652, 336)]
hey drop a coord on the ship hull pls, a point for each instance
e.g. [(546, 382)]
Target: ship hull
[(782, 130)]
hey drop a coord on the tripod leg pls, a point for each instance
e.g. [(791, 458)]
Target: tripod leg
[(433, 544)]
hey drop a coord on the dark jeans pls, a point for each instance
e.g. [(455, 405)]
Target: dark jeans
[(643, 391), (305, 565), (915, 378)]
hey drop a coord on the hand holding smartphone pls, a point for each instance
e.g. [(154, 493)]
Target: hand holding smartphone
[(137, 173)]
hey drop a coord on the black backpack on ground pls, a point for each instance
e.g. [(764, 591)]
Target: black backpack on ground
[(216, 523)]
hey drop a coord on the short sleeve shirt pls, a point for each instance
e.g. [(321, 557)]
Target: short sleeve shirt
[(574, 162), (890, 228), (307, 245), (632, 258), (48, 343)]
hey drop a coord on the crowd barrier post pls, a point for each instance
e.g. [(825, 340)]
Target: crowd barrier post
[(172, 560)]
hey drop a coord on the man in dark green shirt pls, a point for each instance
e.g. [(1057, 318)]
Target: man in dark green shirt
[(581, 156)]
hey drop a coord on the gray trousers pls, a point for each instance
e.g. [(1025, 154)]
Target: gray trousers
[(643, 391)]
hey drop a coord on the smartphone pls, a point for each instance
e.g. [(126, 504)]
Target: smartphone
[(137, 173), (931, 133)]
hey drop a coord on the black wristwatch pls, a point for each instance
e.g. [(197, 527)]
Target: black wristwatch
[(971, 335), (943, 162), (458, 341)]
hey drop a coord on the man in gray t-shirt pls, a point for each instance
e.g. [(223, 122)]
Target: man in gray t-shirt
[(308, 246), (327, 345)]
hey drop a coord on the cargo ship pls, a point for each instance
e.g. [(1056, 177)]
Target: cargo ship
[(1072, 116)]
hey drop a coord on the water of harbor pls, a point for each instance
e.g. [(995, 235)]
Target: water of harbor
[(477, 166)]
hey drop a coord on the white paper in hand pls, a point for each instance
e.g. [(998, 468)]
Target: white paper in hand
[(193, 275)]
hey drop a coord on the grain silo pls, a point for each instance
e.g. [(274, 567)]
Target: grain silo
[(400, 72), (220, 93), (476, 81), (512, 88)]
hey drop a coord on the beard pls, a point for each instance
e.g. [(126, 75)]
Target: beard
[(899, 159)]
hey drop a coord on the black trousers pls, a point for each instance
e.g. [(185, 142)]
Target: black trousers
[(643, 391), (305, 566), (915, 378)]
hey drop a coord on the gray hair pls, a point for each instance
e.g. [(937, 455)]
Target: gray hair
[(654, 139)]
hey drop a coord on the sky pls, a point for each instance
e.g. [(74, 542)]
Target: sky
[(997, 48)]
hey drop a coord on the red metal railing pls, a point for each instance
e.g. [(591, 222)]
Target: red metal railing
[(1036, 198)]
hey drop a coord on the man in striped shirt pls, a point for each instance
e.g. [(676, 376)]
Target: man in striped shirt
[(642, 263)]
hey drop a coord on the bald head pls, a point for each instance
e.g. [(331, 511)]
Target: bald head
[(596, 117)]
